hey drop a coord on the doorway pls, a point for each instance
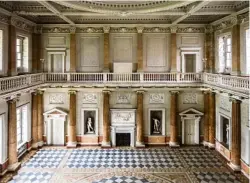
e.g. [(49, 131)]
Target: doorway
[(56, 132), (189, 132), (57, 64), (190, 63), (122, 139)]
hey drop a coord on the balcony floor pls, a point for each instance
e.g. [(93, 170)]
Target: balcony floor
[(93, 164)]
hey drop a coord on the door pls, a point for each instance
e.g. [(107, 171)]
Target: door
[(190, 63), (189, 131), (57, 63), (58, 132)]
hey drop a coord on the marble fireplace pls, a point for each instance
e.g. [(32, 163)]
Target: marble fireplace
[(123, 121)]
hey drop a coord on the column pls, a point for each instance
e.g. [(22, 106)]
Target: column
[(72, 142), (72, 49), (106, 49), (12, 136), (40, 120), (139, 120), (173, 49), (173, 120), (106, 122), (209, 61), (34, 120), (235, 163), (236, 48), (139, 50), (206, 118), (36, 44), (211, 118), (12, 70)]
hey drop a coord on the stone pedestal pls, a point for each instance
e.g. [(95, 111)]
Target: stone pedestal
[(40, 120), (173, 120), (106, 122), (106, 49), (12, 137), (34, 131), (72, 120), (235, 163), (206, 119), (139, 120), (12, 70), (72, 52), (236, 50), (211, 118)]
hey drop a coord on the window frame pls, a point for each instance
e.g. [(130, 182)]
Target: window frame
[(247, 54), (21, 45), (227, 62), (1, 49), (22, 124)]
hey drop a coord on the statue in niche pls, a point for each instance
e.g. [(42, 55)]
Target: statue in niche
[(227, 130), (90, 128), (156, 125)]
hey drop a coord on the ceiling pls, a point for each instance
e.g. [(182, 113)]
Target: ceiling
[(124, 12)]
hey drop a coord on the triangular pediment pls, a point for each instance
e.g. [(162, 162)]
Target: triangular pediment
[(55, 111), (191, 111)]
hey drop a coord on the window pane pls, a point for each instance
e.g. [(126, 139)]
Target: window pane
[(228, 41), (229, 48), (18, 48), (247, 51), (18, 41)]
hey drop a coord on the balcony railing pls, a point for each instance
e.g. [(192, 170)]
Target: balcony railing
[(9, 84)]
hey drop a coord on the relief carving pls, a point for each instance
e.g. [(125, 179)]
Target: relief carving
[(225, 104), (57, 98), (123, 117), (190, 98), (156, 98), (123, 98), (89, 98)]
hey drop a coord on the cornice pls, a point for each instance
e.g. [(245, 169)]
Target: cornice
[(123, 30), (21, 24), (56, 30), (243, 17), (156, 30), (90, 30), (4, 19), (226, 24)]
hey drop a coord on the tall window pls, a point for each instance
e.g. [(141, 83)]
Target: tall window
[(225, 54), (3, 138), (22, 54), (247, 51), (1, 50), (22, 120)]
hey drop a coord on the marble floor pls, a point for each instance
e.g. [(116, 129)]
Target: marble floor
[(125, 165)]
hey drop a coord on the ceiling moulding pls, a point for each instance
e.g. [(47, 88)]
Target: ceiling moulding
[(21, 24), (56, 30), (4, 19), (90, 30), (243, 17), (104, 9), (123, 30), (226, 24), (156, 30)]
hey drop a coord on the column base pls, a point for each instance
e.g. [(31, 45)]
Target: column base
[(139, 144), (14, 167), (234, 167), (174, 144), (106, 144), (205, 143), (71, 144), (40, 144), (210, 145), (34, 145)]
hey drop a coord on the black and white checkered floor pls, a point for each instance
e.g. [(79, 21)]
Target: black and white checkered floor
[(152, 165)]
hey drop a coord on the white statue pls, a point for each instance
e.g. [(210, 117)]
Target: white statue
[(90, 128), (156, 125), (227, 130)]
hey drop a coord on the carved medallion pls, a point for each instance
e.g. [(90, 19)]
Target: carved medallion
[(123, 98), (190, 98), (89, 98), (156, 98), (56, 98)]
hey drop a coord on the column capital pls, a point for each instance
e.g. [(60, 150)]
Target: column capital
[(72, 92), (173, 29), (106, 29), (106, 91), (173, 92), (209, 29), (140, 91), (40, 92), (139, 29), (234, 100), (72, 29)]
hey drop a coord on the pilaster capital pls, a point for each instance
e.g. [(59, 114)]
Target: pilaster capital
[(234, 100), (209, 29), (38, 29), (72, 30), (106, 29), (174, 92), (234, 20), (72, 92), (11, 99), (173, 29), (40, 92), (139, 29), (106, 91)]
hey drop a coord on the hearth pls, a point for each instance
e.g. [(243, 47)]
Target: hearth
[(122, 139)]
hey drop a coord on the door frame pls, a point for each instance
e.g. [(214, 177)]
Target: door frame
[(193, 51), (50, 129), (53, 51)]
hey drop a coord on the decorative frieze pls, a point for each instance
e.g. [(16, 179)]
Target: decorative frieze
[(190, 98), (89, 98), (191, 30), (4, 19), (124, 117), (123, 30), (56, 30), (90, 30), (156, 98), (21, 24), (56, 98), (156, 30), (243, 17), (227, 23)]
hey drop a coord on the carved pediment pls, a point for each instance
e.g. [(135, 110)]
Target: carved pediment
[(55, 112), (191, 111)]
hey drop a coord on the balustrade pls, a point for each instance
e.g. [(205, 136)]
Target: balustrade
[(9, 84)]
